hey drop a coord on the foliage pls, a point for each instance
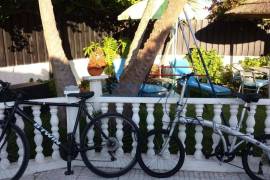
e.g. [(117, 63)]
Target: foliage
[(220, 7), (111, 48), (213, 62), (255, 62)]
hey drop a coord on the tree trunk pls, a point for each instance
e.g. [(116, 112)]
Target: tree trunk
[(137, 40), (60, 66), (139, 66)]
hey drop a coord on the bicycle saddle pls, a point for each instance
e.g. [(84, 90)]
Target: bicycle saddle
[(84, 95), (249, 97)]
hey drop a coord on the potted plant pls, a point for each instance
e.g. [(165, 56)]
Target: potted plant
[(102, 54), (97, 62)]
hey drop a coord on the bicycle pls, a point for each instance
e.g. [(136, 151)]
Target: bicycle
[(169, 150), (100, 146)]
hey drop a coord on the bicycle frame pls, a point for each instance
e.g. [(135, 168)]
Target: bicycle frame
[(218, 128), (17, 110)]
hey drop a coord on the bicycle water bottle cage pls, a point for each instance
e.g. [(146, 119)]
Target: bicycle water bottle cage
[(85, 95), (249, 97)]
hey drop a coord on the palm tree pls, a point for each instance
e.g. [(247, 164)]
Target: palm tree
[(137, 40), (141, 63), (60, 66)]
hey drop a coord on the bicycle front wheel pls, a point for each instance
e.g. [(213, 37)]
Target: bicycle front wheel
[(14, 150), (256, 161), (162, 162), (110, 145)]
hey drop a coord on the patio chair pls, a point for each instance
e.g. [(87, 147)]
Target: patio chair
[(248, 79), (183, 67), (146, 90)]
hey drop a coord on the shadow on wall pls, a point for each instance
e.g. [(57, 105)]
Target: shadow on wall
[(23, 73)]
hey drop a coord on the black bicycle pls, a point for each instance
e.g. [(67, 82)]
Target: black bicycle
[(109, 144)]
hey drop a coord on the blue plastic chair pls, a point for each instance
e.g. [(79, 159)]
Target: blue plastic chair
[(146, 90), (193, 82)]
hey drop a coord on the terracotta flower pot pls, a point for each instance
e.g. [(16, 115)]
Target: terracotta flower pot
[(96, 63), (95, 71)]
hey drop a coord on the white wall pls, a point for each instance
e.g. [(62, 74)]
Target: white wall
[(23, 73)]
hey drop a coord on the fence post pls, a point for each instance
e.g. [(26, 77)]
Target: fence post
[(95, 84), (71, 111)]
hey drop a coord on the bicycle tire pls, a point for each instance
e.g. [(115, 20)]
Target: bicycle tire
[(180, 152), (96, 159), (258, 158), (8, 144)]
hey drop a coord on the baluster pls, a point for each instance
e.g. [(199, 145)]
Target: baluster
[(136, 119), (104, 125), (119, 126), (165, 123), (54, 127), (251, 120), (4, 160), (90, 133), (216, 119), (38, 137), (267, 121), (233, 121), (20, 124), (198, 134), (182, 128), (150, 125)]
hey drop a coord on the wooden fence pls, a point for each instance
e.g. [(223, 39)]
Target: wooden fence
[(27, 45)]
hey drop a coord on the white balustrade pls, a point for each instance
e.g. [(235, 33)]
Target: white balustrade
[(54, 127), (251, 120), (198, 134), (150, 102), (38, 137), (182, 128), (119, 127), (90, 133), (136, 119), (165, 123), (150, 125), (216, 119), (233, 121), (104, 126), (20, 124)]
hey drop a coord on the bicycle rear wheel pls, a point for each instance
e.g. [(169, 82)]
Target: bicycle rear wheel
[(256, 161), (14, 151), (110, 145), (167, 163)]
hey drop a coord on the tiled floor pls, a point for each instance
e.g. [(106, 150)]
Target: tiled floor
[(82, 173)]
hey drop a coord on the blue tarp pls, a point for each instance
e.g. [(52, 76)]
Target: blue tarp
[(182, 66), (146, 89)]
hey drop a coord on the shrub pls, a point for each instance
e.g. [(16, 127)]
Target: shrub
[(213, 63), (255, 62)]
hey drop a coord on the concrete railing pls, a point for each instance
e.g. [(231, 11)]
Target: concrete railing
[(195, 161)]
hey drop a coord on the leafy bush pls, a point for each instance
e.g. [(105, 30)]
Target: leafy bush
[(255, 62), (213, 62)]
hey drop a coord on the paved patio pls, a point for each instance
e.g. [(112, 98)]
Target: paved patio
[(82, 173)]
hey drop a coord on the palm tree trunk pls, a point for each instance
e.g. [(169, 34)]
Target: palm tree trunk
[(140, 65), (137, 40), (60, 66)]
